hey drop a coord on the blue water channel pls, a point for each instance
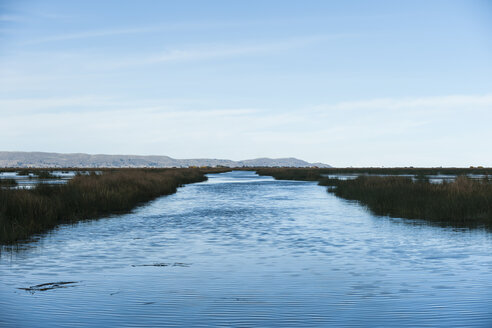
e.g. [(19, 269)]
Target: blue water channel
[(240, 250)]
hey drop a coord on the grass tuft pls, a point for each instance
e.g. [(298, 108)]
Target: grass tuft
[(26, 212), (463, 202), (8, 183)]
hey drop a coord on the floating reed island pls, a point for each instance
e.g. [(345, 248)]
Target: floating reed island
[(24, 212), (463, 202)]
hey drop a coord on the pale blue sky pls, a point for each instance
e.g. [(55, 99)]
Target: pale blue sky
[(348, 83)]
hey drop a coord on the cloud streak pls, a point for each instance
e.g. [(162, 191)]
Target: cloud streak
[(216, 50), (10, 18), (115, 125), (88, 34), (439, 102)]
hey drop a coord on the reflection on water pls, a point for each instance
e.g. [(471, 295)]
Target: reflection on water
[(241, 250), (28, 180), (432, 178)]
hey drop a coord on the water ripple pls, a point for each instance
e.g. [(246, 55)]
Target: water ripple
[(240, 251)]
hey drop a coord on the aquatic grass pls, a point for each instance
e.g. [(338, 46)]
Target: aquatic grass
[(23, 172), (45, 175), (292, 173), (8, 183), (26, 212), (462, 202), (375, 170)]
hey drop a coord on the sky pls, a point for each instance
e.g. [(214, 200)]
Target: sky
[(347, 83)]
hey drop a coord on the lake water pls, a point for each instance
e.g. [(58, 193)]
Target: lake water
[(240, 251), (31, 180), (432, 178)]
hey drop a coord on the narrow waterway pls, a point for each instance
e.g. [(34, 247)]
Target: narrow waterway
[(242, 250)]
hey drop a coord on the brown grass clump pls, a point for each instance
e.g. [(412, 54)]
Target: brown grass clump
[(26, 212), (8, 183), (463, 202)]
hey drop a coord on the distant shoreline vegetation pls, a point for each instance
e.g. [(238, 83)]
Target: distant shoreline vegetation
[(289, 172), (464, 202), (8, 183), (94, 193), (25, 212)]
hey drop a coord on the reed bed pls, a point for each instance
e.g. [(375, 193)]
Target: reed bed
[(26, 212), (463, 202), (292, 173), (289, 172), (8, 183)]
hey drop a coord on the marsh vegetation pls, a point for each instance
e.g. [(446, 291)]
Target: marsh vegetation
[(24, 212), (461, 202), (8, 182), (94, 193), (250, 250)]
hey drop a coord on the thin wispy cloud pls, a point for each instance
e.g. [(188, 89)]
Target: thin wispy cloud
[(436, 102), (116, 31), (10, 18), (175, 26), (155, 124), (216, 50), (88, 34), (111, 32), (164, 108), (227, 80), (11, 106)]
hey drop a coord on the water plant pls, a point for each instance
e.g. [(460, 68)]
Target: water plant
[(24, 172), (8, 183), (45, 175), (462, 202), (26, 212)]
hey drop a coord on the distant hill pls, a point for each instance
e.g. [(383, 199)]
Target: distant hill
[(41, 159)]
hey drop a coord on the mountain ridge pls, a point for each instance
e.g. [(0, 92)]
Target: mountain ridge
[(49, 159)]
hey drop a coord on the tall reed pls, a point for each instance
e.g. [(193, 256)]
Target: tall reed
[(8, 183), (26, 212), (463, 202)]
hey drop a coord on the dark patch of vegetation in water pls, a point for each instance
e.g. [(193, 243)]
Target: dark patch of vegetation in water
[(463, 202), (176, 264), (373, 170), (39, 173), (46, 175), (27, 212), (49, 286), (24, 172), (291, 173), (8, 183)]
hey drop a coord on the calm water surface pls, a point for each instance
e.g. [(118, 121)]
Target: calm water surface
[(31, 180), (241, 250)]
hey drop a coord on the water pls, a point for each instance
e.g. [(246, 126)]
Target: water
[(30, 180), (241, 250), (432, 178)]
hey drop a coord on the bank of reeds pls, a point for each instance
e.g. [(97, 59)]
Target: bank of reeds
[(26, 212), (8, 183), (303, 174), (46, 175), (377, 171), (463, 202)]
